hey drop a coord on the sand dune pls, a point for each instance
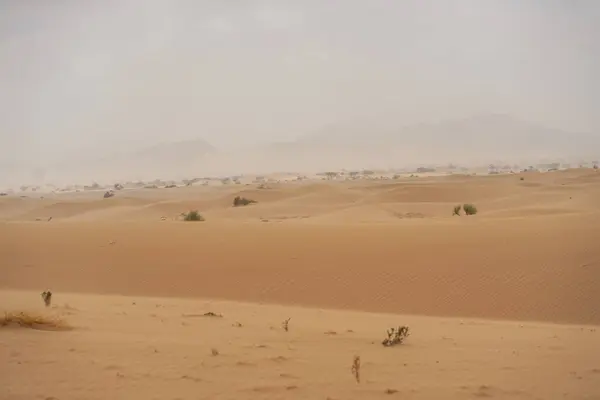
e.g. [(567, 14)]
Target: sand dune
[(530, 254), (156, 348)]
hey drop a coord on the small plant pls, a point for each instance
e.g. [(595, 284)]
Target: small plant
[(356, 368), (212, 314), (108, 194), (193, 215), (242, 201), (521, 179), (456, 210), (470, 209), (395, 336), (214, 352), (209, 314), (47, 297), (286, 325)]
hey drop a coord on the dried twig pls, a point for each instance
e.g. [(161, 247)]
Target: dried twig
[(356, 368)]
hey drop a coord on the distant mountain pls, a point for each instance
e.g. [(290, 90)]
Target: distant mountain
[(378, 143), (165, 160), (480, 139)]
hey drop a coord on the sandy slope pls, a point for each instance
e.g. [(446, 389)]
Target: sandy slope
[(156, 348), (531, 254)]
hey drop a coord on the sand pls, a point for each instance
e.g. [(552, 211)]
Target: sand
[(502, 304)]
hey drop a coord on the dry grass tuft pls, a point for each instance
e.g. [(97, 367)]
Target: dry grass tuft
[(47, 297), (33, 321), (209, 314)]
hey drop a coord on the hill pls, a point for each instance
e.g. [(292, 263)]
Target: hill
[(481, 139), (170, 160)]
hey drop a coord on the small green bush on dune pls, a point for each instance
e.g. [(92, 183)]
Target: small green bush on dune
[(470, 209), (193, 215), (242, 201)]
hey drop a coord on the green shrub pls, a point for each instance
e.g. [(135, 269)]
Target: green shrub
[(456, 210), (470, 209), (193, 215), (242, 201)]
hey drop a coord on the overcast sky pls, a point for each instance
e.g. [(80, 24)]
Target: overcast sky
[(104, 74)]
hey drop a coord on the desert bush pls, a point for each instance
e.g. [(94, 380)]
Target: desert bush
[(286, 324), (108, 194), (470, 209), (242, 201), (395, 336), (193, 215), (456, 210)]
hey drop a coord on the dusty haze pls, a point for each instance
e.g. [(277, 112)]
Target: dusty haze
[(87, 83), (501, 303)]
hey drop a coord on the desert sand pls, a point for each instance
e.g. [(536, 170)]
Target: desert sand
[(501, 304)]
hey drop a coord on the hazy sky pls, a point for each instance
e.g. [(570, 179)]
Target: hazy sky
[(104, 74)]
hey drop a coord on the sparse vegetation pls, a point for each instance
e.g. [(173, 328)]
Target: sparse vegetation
[(214, 352), (521, 179), (242, 201), (47, 297), (108, 194), (286, 324), (212, 314), (207, 314), (32, 321), (470, 209), (395, 336), (192, 215), (356, 368), (456, 210)]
